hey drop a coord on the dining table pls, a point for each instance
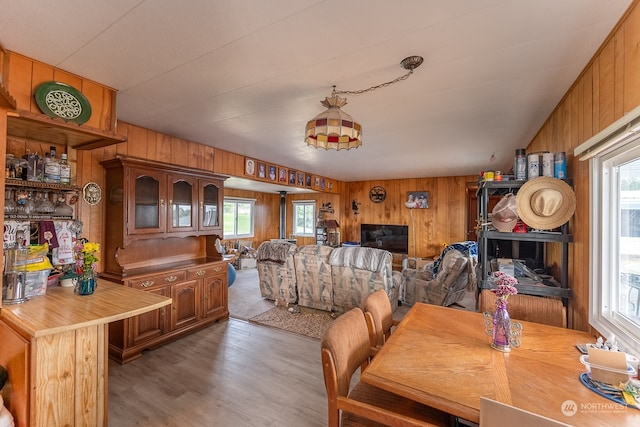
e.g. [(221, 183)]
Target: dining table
[(442, 357)]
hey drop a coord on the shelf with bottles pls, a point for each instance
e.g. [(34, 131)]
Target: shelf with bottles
[(39, 167)]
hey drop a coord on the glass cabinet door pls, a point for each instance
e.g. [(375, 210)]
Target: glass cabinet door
[(210, 200), (182, 204), (147, 210)]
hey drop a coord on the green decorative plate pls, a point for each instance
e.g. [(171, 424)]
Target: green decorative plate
[(63, 101)]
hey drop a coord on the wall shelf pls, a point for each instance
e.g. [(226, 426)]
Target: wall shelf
[(25, 124), (40, 185)]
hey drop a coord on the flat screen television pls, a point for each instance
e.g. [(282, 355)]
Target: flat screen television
[(393, 238)]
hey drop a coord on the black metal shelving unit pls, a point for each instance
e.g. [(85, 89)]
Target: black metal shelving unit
[(486, 189)]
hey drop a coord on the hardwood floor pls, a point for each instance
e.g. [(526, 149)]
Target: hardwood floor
[(245, 300), (230, 374)]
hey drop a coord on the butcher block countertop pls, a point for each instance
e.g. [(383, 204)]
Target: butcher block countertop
[(61, 310)]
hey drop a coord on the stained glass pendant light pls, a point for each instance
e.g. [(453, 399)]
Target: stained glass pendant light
[(334, 129)]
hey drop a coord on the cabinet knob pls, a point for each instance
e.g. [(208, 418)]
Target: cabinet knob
[(200, 273), (217, 269), (146, 283), (171, 279), (161, 202)]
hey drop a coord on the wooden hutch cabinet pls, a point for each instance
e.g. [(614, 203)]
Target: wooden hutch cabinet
[(164, 203), (162, 223)]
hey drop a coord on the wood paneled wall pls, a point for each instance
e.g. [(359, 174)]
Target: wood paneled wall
[(608, 88), (444, 221), (152, 145), (23, 75)]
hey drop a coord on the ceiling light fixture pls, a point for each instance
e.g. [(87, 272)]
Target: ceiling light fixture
[(334, 129)]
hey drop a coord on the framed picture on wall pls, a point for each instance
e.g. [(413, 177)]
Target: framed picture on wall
[(282, 175), (307, 180), (292, 177), (417, 200), (273, 173), (323, 183), (249, 166), (262, 170), (300, 180)]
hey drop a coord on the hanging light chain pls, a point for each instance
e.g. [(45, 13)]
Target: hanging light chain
[(372, 88)]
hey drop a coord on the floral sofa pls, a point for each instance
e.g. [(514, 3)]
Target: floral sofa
[(331, 279), (313, 277)]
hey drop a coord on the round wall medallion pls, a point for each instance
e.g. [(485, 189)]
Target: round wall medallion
[(63, 101), (92, 193), (377, 194)]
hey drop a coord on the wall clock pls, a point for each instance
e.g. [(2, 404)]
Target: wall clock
[(377, 194), (63, 101)]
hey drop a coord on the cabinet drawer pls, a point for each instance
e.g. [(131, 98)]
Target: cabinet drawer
[(158, 280), (207, 270)]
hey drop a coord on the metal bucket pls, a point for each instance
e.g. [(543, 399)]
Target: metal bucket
[(13, 288), (14, 285)]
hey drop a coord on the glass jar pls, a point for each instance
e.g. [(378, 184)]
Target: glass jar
[(10, 206)]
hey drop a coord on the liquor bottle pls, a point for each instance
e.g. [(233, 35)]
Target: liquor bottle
[(52, 167), (65, 170)]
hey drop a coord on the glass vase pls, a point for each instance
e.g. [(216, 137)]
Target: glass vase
[(501, 336), (87, 283)]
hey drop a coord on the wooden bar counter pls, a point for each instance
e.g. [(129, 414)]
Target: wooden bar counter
[(55, 346)]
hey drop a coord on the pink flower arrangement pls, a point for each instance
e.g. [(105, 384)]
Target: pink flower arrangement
[(505, 285)]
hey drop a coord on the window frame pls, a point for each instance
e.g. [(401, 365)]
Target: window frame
[(298, 203), (616, 145), (236, 200)]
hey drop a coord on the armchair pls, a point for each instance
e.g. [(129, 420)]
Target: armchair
[(276, 272), (444, 281)]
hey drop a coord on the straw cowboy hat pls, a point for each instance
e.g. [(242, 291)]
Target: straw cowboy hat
[(505, 214), (546, 203)]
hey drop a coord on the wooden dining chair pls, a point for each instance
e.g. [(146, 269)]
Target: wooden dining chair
[(346, 347), (497, 414), (531, 308), (379, 317)]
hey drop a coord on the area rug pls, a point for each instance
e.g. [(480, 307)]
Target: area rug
[(299, 320)]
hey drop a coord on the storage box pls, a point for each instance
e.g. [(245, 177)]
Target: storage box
[(245, 263), (505, 265), (36, 283), (417, 263)]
